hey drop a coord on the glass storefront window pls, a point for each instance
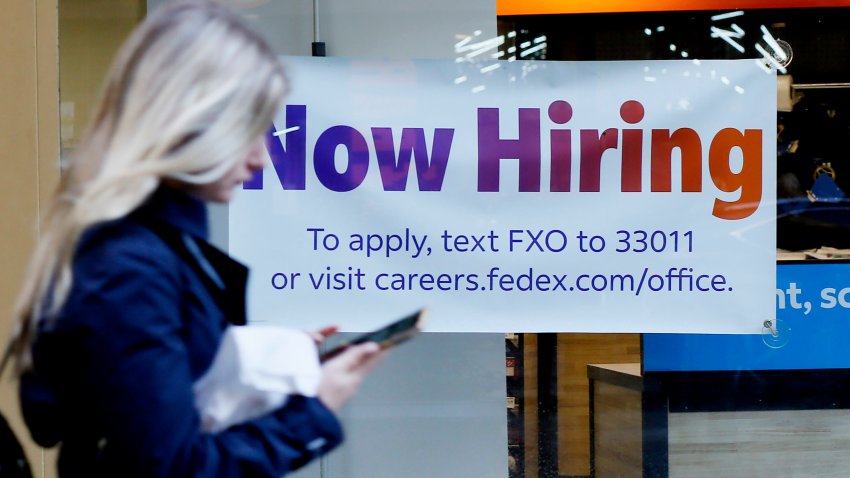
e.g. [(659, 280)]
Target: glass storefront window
[(574, 405)]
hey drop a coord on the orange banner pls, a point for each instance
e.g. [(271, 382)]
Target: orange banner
[(543, 7)]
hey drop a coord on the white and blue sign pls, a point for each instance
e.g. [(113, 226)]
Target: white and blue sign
[(538, 197)]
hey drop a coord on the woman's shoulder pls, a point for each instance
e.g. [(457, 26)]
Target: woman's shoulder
[(123, 243), (120, 270), (120, 266)]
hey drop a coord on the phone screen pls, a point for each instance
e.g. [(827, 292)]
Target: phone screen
[(389, 335)]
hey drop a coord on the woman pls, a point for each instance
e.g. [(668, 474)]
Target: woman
[(125, 302)]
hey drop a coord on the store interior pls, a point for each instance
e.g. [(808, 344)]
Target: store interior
[(813, 213)]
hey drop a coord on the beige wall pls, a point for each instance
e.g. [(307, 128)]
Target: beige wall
[(90, 32), (29, 145)]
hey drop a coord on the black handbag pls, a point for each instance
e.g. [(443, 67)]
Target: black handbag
[(13, 461)]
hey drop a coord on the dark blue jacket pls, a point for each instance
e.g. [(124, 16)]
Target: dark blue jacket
[(114, 371)]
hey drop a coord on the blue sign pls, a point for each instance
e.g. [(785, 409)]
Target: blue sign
[(811, 329)]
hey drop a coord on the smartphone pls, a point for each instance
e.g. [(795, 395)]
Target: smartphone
[(387, 336)]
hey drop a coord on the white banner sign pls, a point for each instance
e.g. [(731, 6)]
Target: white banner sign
[(521, 197)]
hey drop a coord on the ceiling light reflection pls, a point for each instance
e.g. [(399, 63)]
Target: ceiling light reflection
[(724, 16)]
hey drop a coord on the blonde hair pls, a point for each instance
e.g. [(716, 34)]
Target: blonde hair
[(187, 95)]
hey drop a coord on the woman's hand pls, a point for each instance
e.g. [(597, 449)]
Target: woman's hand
[(343, 374)]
